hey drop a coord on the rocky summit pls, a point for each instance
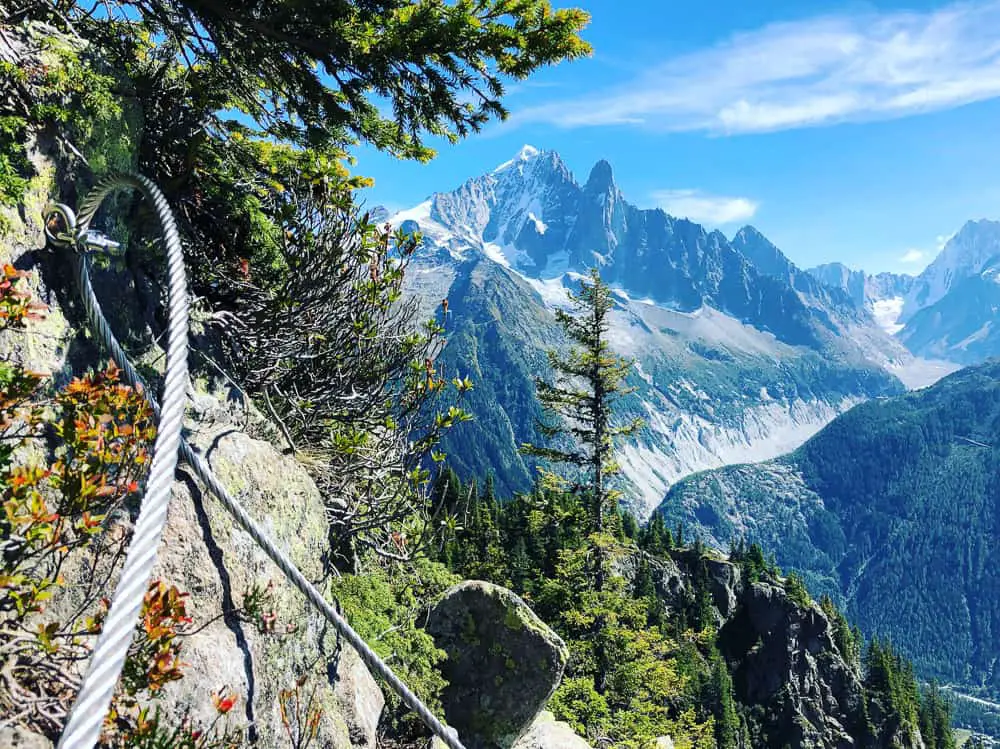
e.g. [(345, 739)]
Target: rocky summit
[(739, 354)]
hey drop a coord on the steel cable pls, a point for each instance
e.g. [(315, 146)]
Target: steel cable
[(87, 716)]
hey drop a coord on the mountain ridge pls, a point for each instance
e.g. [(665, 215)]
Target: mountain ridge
[(532, 216), (731, 362), (893, 509)]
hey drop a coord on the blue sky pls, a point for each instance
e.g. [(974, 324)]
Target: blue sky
[(859, 132)]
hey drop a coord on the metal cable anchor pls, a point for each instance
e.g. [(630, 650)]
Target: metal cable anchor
[(62, 230)]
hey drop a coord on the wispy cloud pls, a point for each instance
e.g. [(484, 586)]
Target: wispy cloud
[(912, 257), (943, 239), (811, 72), (702, 208)]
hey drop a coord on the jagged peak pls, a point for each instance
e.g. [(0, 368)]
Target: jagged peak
[(974, 225), (970, 234), (750, 232), (601, 179), (717, 235), (835, 265), (969, 248), (526, 154)]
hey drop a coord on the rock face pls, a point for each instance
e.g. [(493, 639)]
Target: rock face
[(672, 579), (206, 555), (503, 663), (785, 660), (202, 551), (548, 733), (785, 665)]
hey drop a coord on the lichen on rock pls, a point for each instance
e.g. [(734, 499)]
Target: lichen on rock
[(546, 732), (503, 663)]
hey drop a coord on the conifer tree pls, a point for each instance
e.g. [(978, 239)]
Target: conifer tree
[(727, 719), (589, 381), (935, 719), (655, 537)]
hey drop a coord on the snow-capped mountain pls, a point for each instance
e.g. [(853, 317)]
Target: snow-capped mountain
[(961, 326), (882, 294), (971, 251), (950, 313), (947, 312), (739, 354)]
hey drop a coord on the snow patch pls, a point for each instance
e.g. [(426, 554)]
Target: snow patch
[(434, 233), (621, 293), (495, 253), (643, 375), (552, 291), (991, 274), (527, 153), (887, 313), (540, 225), (507, 255)]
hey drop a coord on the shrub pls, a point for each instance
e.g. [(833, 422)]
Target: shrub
[(796, 590), (69, 461), (384, 604)]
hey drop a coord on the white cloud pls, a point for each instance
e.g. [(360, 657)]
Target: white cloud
[(703, 208), (810, 72), (911, 257), (943, 239)]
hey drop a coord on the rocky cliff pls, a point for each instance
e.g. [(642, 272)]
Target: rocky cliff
[(251, 636), (788, 671)]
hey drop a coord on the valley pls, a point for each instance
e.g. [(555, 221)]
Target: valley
[(740, 355), (763, 388)]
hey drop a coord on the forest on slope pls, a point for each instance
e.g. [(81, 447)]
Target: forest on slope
[(687, 634), (893, 509)]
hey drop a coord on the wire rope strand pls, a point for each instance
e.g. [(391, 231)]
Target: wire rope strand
[(87, 716), (83, 727)]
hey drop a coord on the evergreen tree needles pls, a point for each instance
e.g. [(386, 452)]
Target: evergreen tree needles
[(589, 381)]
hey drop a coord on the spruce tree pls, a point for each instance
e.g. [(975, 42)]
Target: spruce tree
[(727, 719), (590, 379), (630, 525)]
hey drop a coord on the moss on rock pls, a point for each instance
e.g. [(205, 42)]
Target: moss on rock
[(503, 662)]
